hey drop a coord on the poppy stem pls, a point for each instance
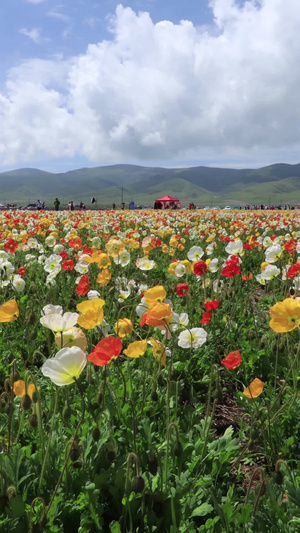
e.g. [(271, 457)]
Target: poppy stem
[(49, 439), (71, 447)]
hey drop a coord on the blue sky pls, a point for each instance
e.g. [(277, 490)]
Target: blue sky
[(86, 83)]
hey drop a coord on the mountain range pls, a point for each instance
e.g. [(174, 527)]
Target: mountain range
[(274, 184)]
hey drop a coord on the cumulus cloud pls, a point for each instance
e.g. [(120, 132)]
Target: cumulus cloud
[(164, 90)]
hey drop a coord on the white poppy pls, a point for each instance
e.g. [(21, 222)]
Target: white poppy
[(57, 322), (195, 253), (192, 338), (66, 366), (235, 247)]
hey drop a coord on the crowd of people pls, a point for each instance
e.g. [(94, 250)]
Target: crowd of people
[(157, 205)]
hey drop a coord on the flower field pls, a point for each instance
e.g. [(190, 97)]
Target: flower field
[(150, 371)]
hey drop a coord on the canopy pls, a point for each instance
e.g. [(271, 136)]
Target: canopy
[(167, 199), (166, 202)]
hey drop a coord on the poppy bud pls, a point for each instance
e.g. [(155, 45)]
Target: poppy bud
[(281, 347), (33, 420), (75, 453), (96, 434), (14, 376), (177, 449), (4, 502), (278, 477), (110, 454), (77, 464), (261, 488), (217, 394), (26, 402), (254, 434), (148, 499), (100, 398), (43, 523), (158, 506), (11, 492), (251, 444), (154, 396), (32, 288), (94, 406), (152, 463), (35, 396), (160, 380), (3, 406), (32, 335), (66, 413), (7, 385), (138, 484), (30, 316)]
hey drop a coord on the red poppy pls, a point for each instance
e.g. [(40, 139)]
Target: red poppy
[(200, 267), (206, 318), (22, 271), (83, 286), (10, 246), (63, 254), (68, 264), (294, 270), (232, 360), (182, 289), (106, 350), (87, 250), (234, 258), (210, 306), (290, 246), (247, 246), (246, 277), (75, 243), (231, 269)]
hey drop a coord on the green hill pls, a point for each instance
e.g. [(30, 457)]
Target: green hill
[(278, 183)]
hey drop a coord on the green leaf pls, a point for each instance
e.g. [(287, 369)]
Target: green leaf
[(202, 510), (114, 527)]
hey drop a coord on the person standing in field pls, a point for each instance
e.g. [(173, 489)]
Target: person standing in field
[(56, 204)]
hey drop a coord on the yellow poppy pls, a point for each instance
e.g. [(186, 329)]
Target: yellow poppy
[(154, 295), (19, 388), (92, 313), (255, 389), (123, 327), (264, 265), (285, 316), (72, 337), (103, 261), (104, 277), (136, 349), (9, 311), (114, 247), (188, 265), (158, 315), (172, 267), (159, 351)]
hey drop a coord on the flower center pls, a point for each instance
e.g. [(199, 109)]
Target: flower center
[(293, 320)]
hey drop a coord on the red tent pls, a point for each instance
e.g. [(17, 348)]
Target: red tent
[(168, 201)]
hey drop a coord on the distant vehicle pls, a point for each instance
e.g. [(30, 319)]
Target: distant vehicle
[(206, 207), (29, 207), (216, 207), (227, 207)]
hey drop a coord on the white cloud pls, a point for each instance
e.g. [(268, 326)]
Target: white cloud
[(58, 16), (34, 34), (163, 91), (35, 1)]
